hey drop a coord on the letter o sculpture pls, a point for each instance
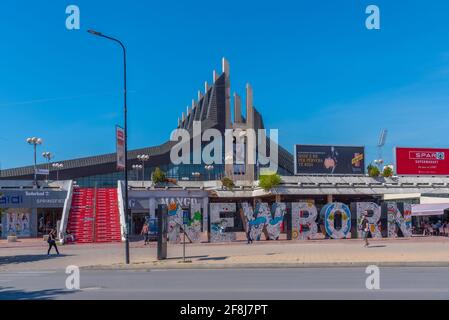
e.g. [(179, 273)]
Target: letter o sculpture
[(328, 212)]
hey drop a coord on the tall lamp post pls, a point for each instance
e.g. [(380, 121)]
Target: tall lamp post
[(34, 142), (57, 166), (143, 158), (209, 168), (137, 167), (125, 109), (48, 156), (196, 175)]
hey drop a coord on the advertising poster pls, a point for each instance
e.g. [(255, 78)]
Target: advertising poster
[(18, 223), (315, 159), (422, 161)]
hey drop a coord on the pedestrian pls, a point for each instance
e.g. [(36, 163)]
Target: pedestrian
[(145, 232), (248, 233), (364, 226), (52, 241)]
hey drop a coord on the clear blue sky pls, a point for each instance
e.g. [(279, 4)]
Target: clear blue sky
[(318, 74)]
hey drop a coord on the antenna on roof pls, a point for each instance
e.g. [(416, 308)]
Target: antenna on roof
[(382, 140)]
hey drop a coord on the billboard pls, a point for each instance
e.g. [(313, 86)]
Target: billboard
[(120, 143), (422, 161), (316, 159)]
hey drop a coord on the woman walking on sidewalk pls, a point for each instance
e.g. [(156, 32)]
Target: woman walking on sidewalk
[(52, 242)]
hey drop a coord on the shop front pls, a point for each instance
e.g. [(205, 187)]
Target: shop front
[(30, 213), (144, 205)]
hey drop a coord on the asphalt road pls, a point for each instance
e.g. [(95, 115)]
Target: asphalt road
[(259, 284)]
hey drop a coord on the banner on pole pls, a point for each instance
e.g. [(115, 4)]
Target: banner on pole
[(120, 143)]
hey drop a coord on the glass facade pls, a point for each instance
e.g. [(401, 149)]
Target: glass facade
[(178, 172)]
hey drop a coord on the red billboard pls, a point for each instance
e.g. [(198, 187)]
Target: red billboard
[(422, 161)]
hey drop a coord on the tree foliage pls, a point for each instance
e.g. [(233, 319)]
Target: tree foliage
[(373, 171), (388, 172), (159, 176), (269, 181), (228, 183)]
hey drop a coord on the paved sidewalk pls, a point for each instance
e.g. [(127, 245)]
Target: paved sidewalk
[(30, 255)]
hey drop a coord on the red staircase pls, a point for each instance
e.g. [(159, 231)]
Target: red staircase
[(81, 218), (94, 215), (107, 224)]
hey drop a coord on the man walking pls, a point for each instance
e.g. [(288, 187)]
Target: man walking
[(145, 233), (365, 227)]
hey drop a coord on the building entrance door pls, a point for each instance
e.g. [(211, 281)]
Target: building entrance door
[(137, 222), (47, 219)]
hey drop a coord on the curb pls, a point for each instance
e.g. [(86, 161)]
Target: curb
[(187, 266)]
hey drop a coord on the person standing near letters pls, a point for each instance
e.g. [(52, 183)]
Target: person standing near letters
[(365, 227)]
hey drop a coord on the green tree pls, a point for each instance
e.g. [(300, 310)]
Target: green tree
[(159, 176), (373, 171), (388, 172), (269, 181), (228, 183)]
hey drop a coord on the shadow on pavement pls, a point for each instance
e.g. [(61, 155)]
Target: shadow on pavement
[(7, 293), (188, 257), (29, 258), (379, 246), (213, 259)]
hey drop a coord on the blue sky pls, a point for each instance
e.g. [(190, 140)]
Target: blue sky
[(318, 74)]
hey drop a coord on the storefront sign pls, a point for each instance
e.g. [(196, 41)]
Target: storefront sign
[(422, 161), (312, 159), (32, 199)]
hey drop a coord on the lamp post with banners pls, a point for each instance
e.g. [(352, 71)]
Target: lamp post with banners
[(125, 129)]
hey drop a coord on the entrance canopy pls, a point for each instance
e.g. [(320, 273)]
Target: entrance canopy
[(420, 210)]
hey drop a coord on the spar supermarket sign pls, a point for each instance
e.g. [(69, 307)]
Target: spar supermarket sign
[(422, 161)]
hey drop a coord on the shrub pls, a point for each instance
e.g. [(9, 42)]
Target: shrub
[(373, 171), (159, 176), (269, 181), (228, 183), (388, 172)]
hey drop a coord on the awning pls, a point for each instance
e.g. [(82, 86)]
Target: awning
[(419, 210)]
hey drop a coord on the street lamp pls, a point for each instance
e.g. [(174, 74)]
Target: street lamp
[(48, 156), (34, 142), (209, 168), (137, 167), (125, 129), (379, 162), (143, 158), (57, 166), (196, 175)]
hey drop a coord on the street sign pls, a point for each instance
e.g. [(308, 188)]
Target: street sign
[(42, 172)]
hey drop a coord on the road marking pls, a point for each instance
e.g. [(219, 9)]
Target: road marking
[(91, 289)]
